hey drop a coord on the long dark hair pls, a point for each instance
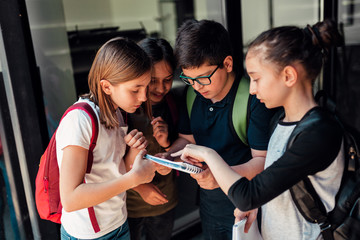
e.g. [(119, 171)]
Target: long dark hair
[(159, 49)]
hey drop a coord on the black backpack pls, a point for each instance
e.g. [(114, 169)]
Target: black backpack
[(343, 222)]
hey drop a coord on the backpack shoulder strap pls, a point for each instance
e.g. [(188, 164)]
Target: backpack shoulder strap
[(311, 207), (303, 193), (95, 132), (95, 128), (190, 98), (241, 110)]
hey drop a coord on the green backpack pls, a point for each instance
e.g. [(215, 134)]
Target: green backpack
[(241, 108)]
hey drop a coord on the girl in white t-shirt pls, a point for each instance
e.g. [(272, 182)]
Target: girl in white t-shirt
[(118, 81)]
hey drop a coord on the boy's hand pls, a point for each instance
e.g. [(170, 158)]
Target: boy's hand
[(205, 179), (136, 139), (160, 168), (151, 194), (160, 131)]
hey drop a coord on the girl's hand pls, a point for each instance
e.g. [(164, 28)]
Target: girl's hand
[(151, 194), (194, 154), (143, 169), (250, 215), (160, 131), (205, 179), (136, 139)]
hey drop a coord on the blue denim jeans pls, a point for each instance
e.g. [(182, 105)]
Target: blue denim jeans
[(121, 233)]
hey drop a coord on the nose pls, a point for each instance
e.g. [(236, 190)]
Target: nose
[(197, 86), (142, 96), (252, 89), (160, 87)]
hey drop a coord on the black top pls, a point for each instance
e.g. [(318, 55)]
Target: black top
[(314, 149)]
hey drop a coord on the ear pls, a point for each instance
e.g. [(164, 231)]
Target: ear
[(228, 63), (290, 76), (105, 86)]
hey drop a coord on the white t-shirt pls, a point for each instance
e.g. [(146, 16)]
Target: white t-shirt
[(280, 217), (76, 129)]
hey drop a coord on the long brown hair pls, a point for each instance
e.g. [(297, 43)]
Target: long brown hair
[(118, 60)]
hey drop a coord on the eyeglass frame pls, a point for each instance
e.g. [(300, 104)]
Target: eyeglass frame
[(182, 77)]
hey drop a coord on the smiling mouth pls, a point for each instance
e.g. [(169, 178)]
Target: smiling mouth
[(158, 95)]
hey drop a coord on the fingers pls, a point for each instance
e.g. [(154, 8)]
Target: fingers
[(141, 154), (136, 139), (192, 153), (157, 120), (205, 180), (160, 130), (160, 196), (186, 157), (162, 169), (239, 215), (164, 155), (250, 220), (152, 194), (130, 135), (200, 176), (177, 154)]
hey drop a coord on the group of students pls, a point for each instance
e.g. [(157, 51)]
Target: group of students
[(130, 92)]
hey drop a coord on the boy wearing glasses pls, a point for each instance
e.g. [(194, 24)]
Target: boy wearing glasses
[(203, 51)]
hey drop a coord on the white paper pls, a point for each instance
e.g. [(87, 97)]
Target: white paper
[(239, 234)]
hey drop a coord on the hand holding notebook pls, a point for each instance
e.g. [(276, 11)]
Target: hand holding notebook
[(181, 166)]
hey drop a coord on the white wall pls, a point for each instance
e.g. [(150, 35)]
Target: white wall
[(210, 9), (255, 18), (127, 14), (255, 15), (294, 12), (168, 22)]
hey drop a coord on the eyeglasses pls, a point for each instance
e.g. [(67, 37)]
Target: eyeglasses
[(204, 80)]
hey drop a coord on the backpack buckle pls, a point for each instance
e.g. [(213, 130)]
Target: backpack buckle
[(326, 231), (324, 226)]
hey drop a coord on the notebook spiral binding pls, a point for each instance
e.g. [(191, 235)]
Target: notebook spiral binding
[(193, 169)]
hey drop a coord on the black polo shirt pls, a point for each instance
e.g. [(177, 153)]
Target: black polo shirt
[(211, 125)]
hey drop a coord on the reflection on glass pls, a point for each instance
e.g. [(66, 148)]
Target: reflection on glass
[(8, 224)]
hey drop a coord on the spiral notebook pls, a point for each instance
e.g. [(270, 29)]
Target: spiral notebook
[(181, 166)]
